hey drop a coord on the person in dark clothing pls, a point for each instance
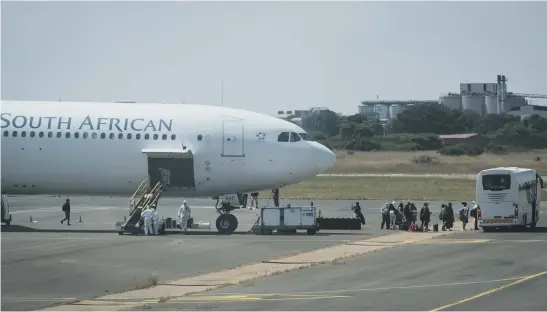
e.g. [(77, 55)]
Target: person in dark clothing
[(473, 214), (408, 216), (275, 197), (464, 214), (425, 217), (414, 212), (400, 208), (254, 200), (66, 210), (358, 214), (449, 217)]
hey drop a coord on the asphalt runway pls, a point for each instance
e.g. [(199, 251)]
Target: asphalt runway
[(468, 271), (46, 263)]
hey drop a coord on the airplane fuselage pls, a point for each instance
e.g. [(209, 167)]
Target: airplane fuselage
[(70, 148)]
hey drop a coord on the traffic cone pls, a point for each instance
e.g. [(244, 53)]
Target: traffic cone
[(80, 221)]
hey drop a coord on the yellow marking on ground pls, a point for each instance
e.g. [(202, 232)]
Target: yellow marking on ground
[(491, 291), (453, 241), (223, 299)]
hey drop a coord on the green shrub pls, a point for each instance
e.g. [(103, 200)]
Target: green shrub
[(407, 147), (425, 160), (497, 149), (461, 150)]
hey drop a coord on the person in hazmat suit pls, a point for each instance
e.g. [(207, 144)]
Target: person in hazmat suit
[(184, 215), (147, 215), (156, 221)]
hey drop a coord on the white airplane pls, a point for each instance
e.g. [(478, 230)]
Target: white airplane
[(86, 148)]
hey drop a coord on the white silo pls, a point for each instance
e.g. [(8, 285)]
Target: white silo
[(395, 110), (491, 103), (473, 102), (365, 109), (382, 110), (451, 100)]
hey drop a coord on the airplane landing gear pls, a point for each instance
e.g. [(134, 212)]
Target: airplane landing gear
[(227, 223)]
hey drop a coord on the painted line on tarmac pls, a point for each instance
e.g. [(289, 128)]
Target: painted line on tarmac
[(39, 299), (57, 209), (358, 290), (239, 299), (491, 291)]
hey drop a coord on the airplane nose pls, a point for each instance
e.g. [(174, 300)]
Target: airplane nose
[(324, 157)]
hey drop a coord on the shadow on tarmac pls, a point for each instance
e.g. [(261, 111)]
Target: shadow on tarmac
[(537, 229), (26, 229)]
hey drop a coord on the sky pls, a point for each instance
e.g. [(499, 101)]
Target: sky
[(269, 56)]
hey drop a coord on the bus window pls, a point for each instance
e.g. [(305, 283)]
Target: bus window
[(496, 182), (306, 137), (295, 137)]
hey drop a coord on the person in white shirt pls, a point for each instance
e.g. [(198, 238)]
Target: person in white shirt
[(464, 214), (156, 221)]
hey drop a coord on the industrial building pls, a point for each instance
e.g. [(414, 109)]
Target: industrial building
[(387, 110), (483, 98)]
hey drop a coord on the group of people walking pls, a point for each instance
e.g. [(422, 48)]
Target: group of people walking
[(404, 216)]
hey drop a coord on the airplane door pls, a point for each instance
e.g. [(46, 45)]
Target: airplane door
[(232, 138)]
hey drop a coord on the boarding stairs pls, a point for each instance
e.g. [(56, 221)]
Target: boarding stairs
[(6, 215), (142, 199)]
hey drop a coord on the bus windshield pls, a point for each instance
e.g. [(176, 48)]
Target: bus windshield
[(496, 182)]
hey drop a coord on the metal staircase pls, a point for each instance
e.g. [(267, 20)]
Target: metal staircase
[(141, 199), (6, 215)]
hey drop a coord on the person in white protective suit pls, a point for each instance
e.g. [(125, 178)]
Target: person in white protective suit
[(156, 221), (392, 219), (147, 215), (184, 215)]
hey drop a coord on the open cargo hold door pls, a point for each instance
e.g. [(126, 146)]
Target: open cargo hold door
[(174, 168)]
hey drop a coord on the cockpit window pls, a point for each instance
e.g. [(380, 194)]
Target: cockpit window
[(283, 137), (306, 137), (295, 137)]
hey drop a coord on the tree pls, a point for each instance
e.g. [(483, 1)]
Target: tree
[(493, 122), (536, 122), (324, 121), (429, 118)]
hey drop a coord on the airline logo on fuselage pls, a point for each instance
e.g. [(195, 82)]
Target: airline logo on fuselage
[(89, 123)]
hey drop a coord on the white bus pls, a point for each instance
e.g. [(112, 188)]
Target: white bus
[(508, 197)]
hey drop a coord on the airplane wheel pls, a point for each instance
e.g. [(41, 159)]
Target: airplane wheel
[(226, 223)]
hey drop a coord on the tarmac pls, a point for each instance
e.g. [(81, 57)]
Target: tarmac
[(45, 263), (466, 271)]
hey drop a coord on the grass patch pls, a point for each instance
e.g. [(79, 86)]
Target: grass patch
[(432, 162), (384, 188), (147, 282)]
